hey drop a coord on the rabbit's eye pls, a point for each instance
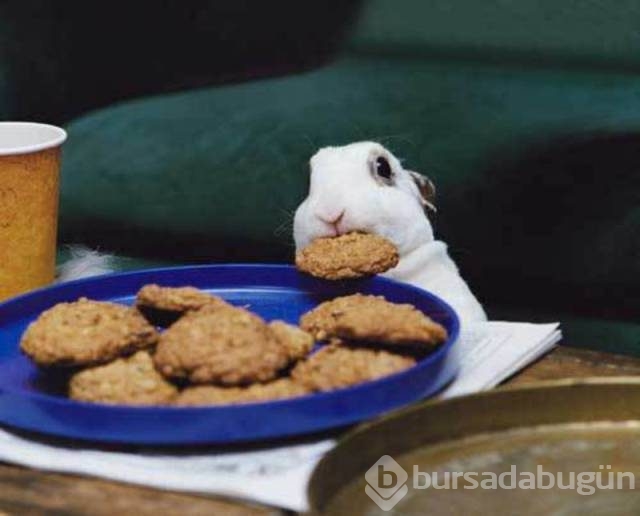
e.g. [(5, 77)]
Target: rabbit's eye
[(383, 169)]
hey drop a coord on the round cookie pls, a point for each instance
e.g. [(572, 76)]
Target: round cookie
[(126, 381), (374, 319), (347, 256), (86, 333), (214, 395), (164, 305), (298, 342), (336, 366), (229, 347)]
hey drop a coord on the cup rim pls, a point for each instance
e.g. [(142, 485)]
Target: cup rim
[(58, 137)]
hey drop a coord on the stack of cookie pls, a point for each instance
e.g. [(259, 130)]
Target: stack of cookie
[(368, 336), (85, 334), (214, 353)]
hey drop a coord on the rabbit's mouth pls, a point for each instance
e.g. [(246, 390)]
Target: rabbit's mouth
[(336, 230), (342, 228)]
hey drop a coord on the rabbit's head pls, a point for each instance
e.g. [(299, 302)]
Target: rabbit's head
[(363, 187)]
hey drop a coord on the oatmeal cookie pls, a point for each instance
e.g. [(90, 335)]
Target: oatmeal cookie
[(298, 342), (165, 305), (231, 346), (214, 395), (336, 366), (126, 381), (347, 256), (372, 318), (86, 333)]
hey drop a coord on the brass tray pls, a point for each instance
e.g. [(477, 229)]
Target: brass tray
[(582, 434)]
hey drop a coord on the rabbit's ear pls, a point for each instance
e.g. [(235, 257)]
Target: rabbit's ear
[(427, 190)]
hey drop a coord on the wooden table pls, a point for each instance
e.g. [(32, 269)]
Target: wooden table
[(24, 491)]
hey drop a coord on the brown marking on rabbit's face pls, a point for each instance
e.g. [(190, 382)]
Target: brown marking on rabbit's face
[(427, 191)]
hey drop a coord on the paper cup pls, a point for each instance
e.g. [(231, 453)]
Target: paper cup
[(29, 189)]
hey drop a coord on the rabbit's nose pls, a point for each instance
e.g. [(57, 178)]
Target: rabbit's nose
[(331, 217)]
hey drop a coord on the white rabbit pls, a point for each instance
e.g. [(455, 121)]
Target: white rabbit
[(362, 186)]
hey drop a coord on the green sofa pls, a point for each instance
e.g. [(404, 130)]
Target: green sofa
[(525, 114)]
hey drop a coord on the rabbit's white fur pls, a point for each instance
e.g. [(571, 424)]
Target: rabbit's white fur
[(345, 195), (84, 263)]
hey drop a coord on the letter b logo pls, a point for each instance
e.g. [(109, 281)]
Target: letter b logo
[(386, 481)]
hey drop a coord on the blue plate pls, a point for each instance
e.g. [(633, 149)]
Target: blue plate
[(33, 400)]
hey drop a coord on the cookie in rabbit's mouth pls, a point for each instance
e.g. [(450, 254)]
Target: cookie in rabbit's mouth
[(350, 255)]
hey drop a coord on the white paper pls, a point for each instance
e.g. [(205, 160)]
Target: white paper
[(489, 353)]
